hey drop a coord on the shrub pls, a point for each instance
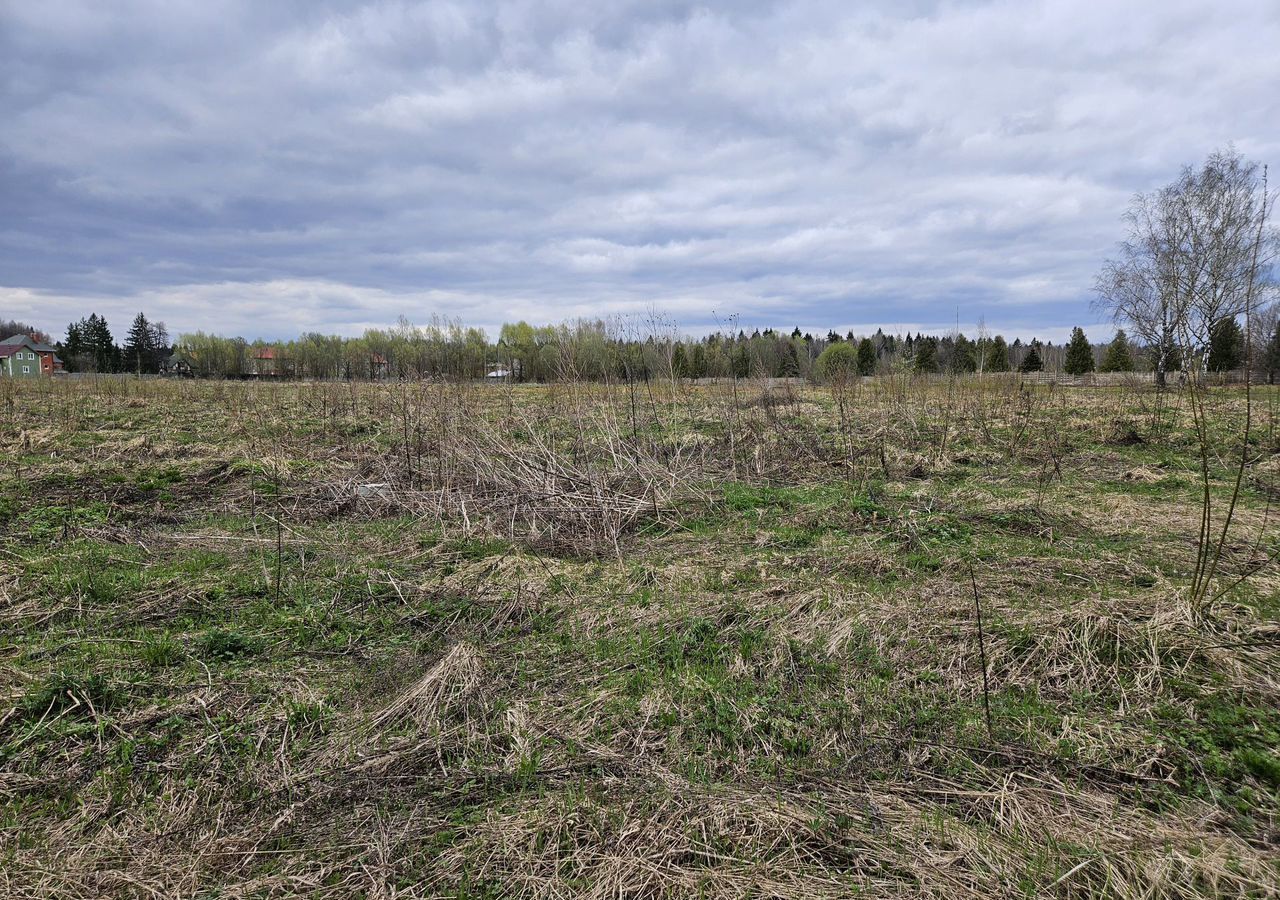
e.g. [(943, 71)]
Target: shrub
[(838, 363)]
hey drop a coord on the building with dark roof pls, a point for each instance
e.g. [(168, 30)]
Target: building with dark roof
[(22, 357)]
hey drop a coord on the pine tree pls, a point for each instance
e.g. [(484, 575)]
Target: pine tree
[(866, 357), (1226, 345), (1079, 359), (1119, 356), (1032, 361), (997, 356)]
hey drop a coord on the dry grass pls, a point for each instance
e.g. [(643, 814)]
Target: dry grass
[(574, 641)]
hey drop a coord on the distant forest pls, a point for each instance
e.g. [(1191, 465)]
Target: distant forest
[(596, 350)]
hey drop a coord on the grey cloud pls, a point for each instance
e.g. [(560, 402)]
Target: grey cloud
[(268, 168)]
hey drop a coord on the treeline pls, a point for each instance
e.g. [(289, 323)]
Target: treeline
[(599, 351), (595, 350), (11, 327)]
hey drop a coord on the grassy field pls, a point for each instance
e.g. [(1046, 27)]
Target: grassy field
[(439, 640)]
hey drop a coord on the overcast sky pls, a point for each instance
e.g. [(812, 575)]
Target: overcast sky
[(268, 167)]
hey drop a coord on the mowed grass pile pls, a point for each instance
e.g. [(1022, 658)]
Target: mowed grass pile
[(437, 640)]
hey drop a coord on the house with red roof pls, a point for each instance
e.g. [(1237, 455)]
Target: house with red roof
[(22, 357), (268, 362)]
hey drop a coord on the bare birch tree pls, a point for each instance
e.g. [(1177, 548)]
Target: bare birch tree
[(1198, 250)]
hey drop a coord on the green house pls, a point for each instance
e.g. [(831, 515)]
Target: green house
[(21, 357)]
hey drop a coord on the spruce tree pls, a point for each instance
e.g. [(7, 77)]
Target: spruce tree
[(1032, 361), (698, 361), (99, 345), (1226, 345), (139, 347), (679, 363), (75, 347), (1119, 355), (789, 361), (926, 355), (963, 355), (866, 357), (1079, 359), (997, 356)]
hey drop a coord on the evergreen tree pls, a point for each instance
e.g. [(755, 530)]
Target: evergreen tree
[(1119, 356), (75, 348), (926, 355), (789, 362), (99, 346), (1226, 345), (140, 351), (963, 356), (679, 363), (1032, 361), (997, 356), (866, 357), (1079, 354), (698, 362)]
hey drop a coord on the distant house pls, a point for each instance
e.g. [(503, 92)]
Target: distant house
[(268, 362), (379, 366), (21, 357), (178, 365)]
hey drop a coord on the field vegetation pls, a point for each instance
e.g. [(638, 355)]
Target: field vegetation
[(955, 637)]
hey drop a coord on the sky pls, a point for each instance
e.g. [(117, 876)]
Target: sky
[(271, 168)]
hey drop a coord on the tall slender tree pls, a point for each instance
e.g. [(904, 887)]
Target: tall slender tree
[(140, 356)]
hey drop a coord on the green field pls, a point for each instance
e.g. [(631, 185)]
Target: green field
[(453, 640)]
